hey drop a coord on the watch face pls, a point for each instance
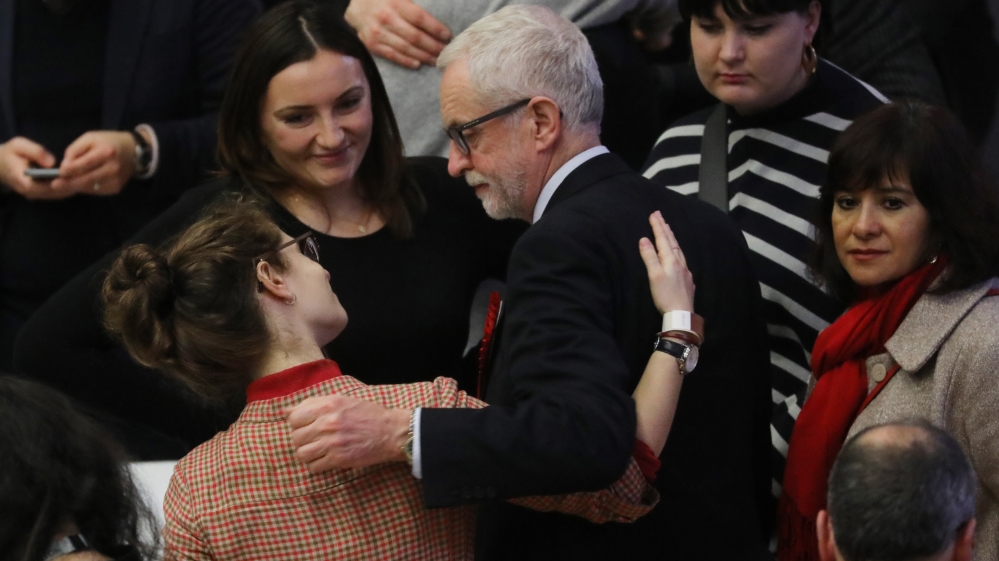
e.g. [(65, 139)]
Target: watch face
[(692, 355)]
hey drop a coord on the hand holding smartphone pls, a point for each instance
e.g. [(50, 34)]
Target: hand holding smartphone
[(42, 173)]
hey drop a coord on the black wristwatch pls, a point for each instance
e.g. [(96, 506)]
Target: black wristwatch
[(686, 354)]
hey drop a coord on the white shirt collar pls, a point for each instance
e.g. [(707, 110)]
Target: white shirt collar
[(560, 175)]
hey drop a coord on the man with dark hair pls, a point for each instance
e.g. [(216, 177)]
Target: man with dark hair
[(897, 492)]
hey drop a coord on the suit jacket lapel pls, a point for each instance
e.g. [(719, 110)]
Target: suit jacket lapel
[(591, 171), (129, 20), (6, 72)]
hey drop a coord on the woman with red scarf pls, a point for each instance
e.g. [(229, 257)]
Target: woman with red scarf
[(908, 232)]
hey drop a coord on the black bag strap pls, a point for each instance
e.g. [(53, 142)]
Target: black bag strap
[(713, 172)]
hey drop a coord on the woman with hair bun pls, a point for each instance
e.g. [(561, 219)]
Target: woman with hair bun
[(236, 305), (66, 492), (306, 124)]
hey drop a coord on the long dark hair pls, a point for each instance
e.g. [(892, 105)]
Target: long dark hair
[(190, 307), (284, 36), (925, 145), (57, 466)]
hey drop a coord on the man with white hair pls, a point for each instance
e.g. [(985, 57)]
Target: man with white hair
[(522, 100)]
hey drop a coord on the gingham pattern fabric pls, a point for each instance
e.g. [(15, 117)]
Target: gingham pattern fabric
[(243, 495)]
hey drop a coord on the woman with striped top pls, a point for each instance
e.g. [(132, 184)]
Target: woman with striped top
[(784, 107)]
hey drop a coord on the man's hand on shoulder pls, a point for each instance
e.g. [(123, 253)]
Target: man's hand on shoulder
[(336, 432)]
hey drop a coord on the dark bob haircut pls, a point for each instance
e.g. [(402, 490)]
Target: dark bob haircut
[(294, 32), (57, 466), (743, 9), (925, 146)]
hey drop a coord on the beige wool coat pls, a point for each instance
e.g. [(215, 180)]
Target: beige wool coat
[(948, 352)]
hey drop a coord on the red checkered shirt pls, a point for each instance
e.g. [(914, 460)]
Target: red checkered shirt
[(244, 495)]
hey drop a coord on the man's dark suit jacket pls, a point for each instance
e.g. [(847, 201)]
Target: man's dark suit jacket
[(579, 326), (166, 64)]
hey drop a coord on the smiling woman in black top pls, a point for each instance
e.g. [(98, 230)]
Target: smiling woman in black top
[(305, 122)]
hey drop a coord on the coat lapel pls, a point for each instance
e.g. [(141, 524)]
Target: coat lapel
[(930, 323), (591, 171), (127, 26), (6, 72)]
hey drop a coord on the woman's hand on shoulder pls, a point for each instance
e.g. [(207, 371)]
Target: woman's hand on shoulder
[(671, 282)]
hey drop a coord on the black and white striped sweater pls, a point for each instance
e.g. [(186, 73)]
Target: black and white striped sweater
[(776, 163)]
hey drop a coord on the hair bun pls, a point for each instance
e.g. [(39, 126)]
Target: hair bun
[(138, 304), (140, 267)]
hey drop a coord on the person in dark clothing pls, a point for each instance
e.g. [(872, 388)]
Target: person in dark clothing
[(406, 244), (65, 486), (960, 37), (121, 96), (522, 99)]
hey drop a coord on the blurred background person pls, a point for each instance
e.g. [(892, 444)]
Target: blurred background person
[(122, 96), (306, 124), (960, 36), (407, 36), (908, 231), (65, 490), (903, 491), (937, 52), (234, 305)]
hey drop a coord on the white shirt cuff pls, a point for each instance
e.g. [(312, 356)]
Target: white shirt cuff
[(154, 145), (417, 468)]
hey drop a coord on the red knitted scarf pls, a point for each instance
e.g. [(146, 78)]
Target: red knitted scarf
[(838, 362)]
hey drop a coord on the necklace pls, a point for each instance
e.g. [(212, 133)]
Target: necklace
[(362, 227), (296, 200)]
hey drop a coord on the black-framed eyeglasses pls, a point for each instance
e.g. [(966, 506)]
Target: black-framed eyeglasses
[(307, 244), (457, 132)]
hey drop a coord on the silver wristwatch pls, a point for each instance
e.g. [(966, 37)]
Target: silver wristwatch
[(686, 354)]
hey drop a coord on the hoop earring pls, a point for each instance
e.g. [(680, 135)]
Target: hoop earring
[(809, 59), (292, 301)]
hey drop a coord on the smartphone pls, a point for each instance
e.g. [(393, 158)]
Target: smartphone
[(42, 173)]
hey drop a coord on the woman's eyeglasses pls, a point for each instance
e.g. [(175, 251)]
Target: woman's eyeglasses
[(307, 244)]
